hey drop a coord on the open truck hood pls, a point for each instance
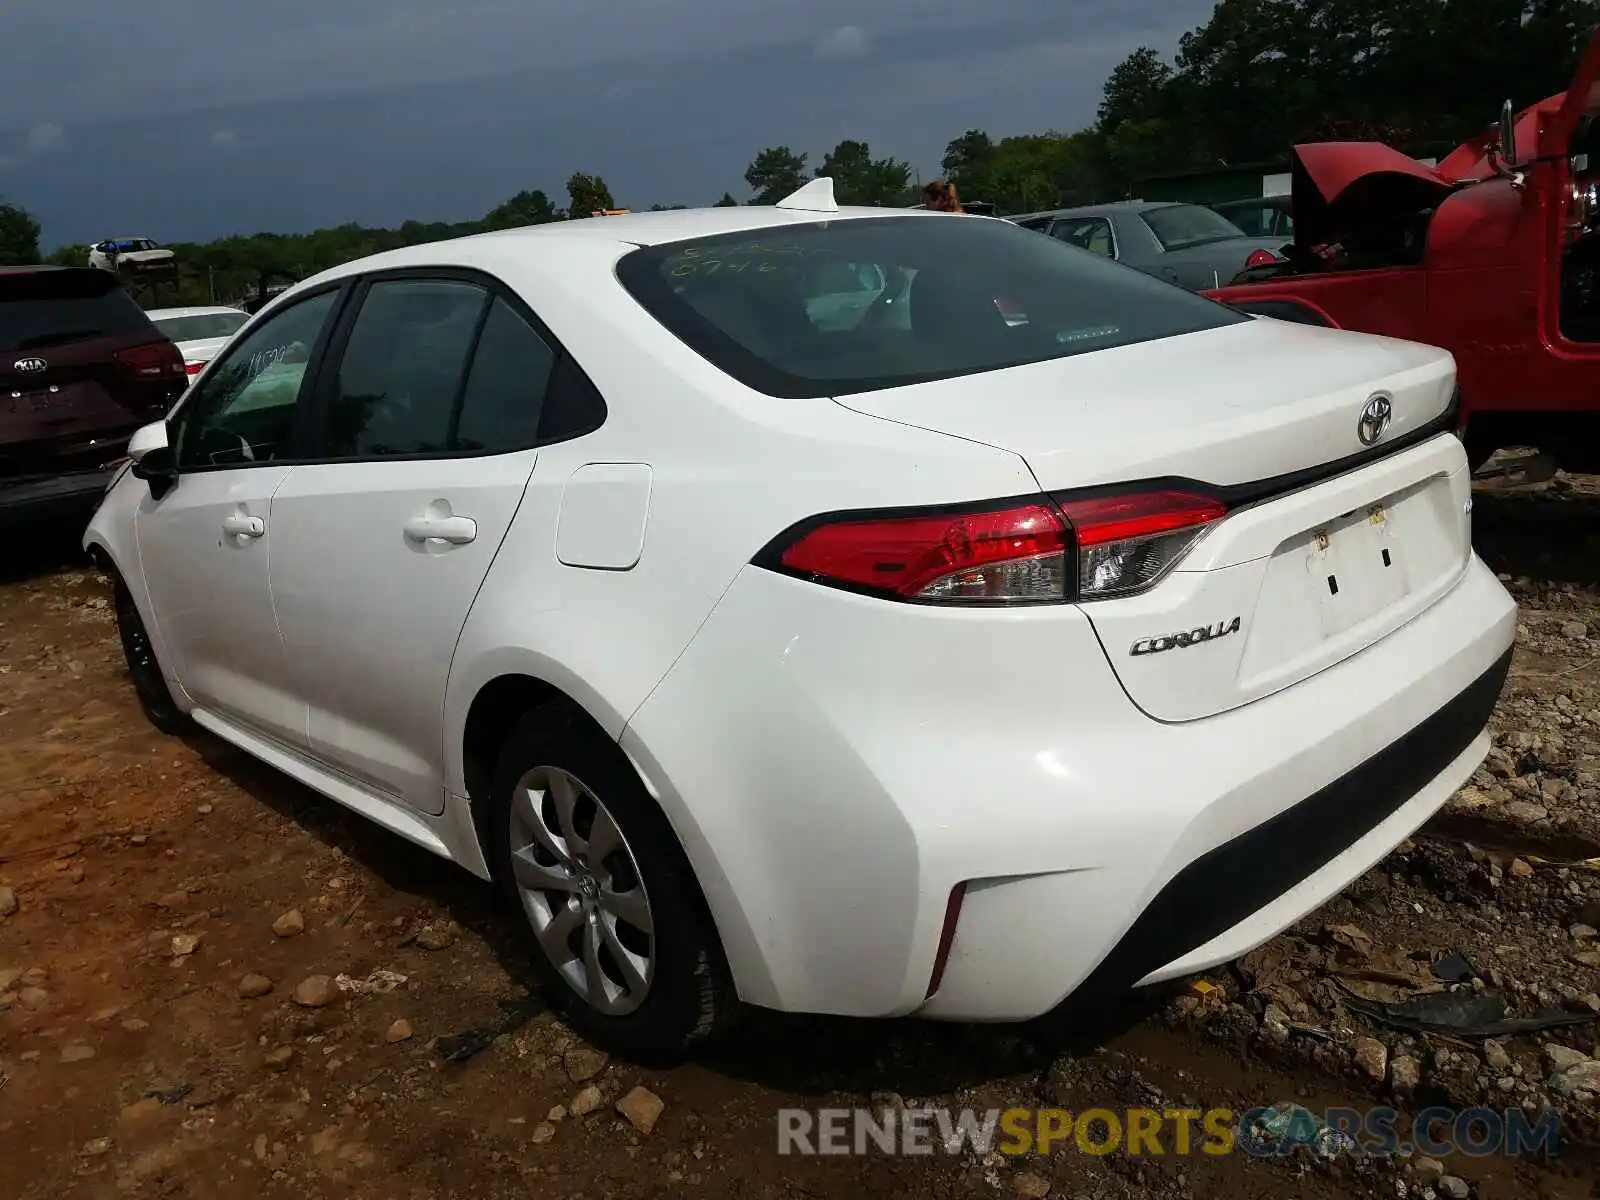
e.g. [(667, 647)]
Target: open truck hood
[(1333, 180)]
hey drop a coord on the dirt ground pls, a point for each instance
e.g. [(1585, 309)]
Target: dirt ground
[(142, 879)]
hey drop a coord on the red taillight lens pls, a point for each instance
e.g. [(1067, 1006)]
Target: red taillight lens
[(151, 361), (1021, 554), (1011, 555), (1262, 258), (193, 368), (1128, 543)]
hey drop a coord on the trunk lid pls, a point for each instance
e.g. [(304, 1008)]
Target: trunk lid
[(1324, 553), (1234, 405)]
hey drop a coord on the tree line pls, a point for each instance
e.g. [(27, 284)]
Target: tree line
[(1257, 77)]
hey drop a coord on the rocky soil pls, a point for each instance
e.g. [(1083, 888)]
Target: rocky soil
[(215, 983)]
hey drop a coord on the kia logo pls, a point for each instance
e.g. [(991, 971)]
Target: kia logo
[(30, 366)]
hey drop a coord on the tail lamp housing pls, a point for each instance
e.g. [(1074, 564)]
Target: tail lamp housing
[(1037, 551), (154, 360)]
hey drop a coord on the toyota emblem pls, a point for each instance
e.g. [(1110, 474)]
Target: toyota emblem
[(30, 366), (1374, 422)]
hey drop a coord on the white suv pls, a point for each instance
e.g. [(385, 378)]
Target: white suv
[(939, 661)]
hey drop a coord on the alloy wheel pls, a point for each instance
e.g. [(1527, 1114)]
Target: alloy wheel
[(580, 887)]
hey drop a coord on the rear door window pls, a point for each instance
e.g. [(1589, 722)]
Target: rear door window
[(1087, 233), (505, 393), (957, 297), (40, 309)]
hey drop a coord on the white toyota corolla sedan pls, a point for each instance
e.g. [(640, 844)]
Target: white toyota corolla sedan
[(780, 618)]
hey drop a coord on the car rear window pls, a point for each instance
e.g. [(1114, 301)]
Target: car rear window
[(1179, 226), (867, 303), (196, 327), (52, 308)]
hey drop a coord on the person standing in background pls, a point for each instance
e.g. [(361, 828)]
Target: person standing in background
[(940, 196)]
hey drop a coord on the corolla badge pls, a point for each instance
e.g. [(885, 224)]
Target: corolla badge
[(1375, 418), (1185, 638), (30, 366)]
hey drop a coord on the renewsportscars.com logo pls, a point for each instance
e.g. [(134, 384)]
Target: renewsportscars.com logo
[(1260, 1132)]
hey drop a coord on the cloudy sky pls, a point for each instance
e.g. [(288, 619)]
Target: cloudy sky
[(190, 119)]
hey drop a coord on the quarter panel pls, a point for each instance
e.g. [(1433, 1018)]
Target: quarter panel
[(729, 469)]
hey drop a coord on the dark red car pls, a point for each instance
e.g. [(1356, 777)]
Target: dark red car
[(1494, 255), (81, 367)]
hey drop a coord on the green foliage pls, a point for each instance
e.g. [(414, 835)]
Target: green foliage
[(525, 208), (589, 195), (1261, 75), (727, 201), (19, 237), (968, 158), (774, 173), (1134, 90), (68, 256), (1027, 173), (858, 178)]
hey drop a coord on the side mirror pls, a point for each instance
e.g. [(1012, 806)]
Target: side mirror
[(147, 438), (153, 459), (1508, 134)]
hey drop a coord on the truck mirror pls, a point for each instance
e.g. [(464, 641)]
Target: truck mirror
[(1508, 134)]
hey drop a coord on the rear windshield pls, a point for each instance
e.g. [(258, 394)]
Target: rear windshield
[(856, 305), (1179, 226), (50, 308), (200, 326)]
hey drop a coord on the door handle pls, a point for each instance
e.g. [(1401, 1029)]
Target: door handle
[(456, 530), (241, 525)]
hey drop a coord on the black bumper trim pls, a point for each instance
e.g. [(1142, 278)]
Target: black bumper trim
[(1224, 886), (59, 495)]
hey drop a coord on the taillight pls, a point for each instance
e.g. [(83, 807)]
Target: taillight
[(1030, 553), (1011, 555), (193, 368), (1127, 543), (151, 361), (1263, 258)]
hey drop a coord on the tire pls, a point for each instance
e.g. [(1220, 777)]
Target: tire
[(556, 781), (149, 685)]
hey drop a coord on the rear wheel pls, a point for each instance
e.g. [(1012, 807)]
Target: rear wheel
[(617, 925), (149, 685)]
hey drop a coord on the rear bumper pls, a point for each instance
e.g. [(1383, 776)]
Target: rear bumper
[(835, 766), (56, 497), (1231, 898)]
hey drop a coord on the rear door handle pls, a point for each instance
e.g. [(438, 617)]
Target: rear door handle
[(241, 525), (456, 530)]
